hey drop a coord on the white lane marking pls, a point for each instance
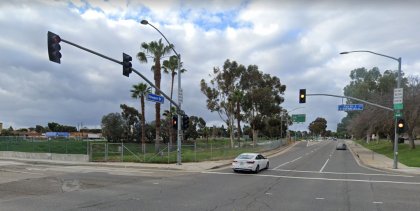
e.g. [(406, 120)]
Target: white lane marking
[(296, 159), (324, 165), (320, 198), (268, 193), (341, 173), (282, 165), (288, 162), (155, 183), (21, 172), (378, 202), (307, 144), (128, 170), (314, 178)]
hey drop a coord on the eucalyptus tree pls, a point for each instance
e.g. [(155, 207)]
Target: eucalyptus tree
[(155, 50), (220, 91), (318, 126), (238, 97), (412, 108), (262, 99), (195, 124), (139, 91), (112, 126), (132, 118), (375, 87)]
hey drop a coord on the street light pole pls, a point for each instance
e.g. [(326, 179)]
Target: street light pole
[(179, 136), (281, 119), (398, 86)]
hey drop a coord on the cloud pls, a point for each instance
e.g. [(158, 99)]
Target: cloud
[(297, 41)]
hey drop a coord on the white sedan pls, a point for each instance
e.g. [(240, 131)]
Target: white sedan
[(250, 162)]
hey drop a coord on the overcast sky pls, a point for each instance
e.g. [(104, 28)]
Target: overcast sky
[(297, 41)]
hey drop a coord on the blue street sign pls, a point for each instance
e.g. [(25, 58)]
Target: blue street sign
[(350, 107), (155, 98)]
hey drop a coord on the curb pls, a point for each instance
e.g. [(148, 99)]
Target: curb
[(363, 164), (91, 164)]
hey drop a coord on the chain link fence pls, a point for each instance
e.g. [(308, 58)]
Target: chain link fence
[(167, 153), (102, 151)]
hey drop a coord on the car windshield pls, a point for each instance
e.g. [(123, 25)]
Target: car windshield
[(245, 156)]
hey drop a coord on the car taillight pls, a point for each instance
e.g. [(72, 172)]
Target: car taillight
[(250, 162)]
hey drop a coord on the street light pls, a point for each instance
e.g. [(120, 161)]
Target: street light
[(398, 86), (281, 119), (178, 159)]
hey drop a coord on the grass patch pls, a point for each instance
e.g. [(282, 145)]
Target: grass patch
[(406, 156), (201, 150), (65, 146)]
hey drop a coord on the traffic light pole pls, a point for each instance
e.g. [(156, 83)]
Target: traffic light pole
[(396, 134), (398, 86), (353, 98), (134, 70)]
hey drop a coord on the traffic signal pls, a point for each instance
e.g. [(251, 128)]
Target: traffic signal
[(185, 122), (54, 47), (400, 126), (302, 96), (127, 64), (175, 122)]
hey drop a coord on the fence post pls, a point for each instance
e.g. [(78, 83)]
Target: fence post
[(122, 151), (211, 151), (106, 151), (195, 151), (90, 152), (144, 153), (66, 145), (168, 152), (33, 146)]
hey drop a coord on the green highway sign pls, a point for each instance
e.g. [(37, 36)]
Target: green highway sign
[(398, 106), (298, 118)]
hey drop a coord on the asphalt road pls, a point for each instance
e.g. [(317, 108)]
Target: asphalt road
[(309, 176)]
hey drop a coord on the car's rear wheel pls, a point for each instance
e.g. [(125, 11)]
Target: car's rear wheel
[(268, 165), (236, 171), (257, 169)]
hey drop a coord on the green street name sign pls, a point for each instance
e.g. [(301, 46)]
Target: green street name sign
[(298, 117)]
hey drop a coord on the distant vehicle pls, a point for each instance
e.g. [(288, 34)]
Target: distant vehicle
[(250, 162), (334, 139), (341, 146)]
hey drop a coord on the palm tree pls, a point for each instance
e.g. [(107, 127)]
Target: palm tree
[(171, 66), (238, 96), (169, 114), (139, 91), (155, 50)]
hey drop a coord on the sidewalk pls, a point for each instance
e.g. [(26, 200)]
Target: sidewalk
[(190, 166), (374, 160)]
